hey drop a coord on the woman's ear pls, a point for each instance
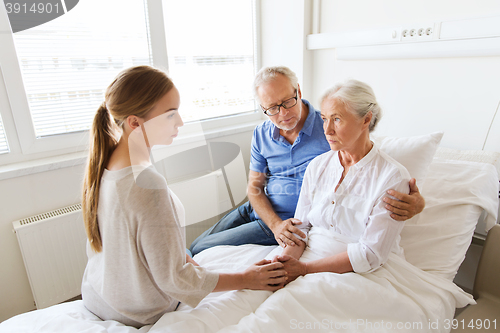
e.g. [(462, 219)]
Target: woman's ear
[(133, 122), (368, 119)]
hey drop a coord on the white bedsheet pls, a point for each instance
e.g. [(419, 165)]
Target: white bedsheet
[(70, 317)]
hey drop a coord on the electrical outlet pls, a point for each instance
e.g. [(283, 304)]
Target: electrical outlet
[(408, 34), (426, 33), (418, 32)]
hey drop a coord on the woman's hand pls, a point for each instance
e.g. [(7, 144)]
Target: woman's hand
[(407, 205), (265, 275), (293, 267)]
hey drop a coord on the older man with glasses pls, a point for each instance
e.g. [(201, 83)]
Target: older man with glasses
[(282, 147)]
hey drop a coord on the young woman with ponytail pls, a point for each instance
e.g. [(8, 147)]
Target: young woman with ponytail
[(137, 268)]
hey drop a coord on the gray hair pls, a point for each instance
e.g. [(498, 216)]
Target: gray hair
[(358, 98), (268, 74)]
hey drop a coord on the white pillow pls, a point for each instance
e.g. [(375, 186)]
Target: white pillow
[(455, 192), (414, 153)]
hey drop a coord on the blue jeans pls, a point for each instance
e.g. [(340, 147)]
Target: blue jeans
[(236, 228)]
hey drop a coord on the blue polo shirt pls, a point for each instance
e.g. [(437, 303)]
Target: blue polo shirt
[(285, 163)]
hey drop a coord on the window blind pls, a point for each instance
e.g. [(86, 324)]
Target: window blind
[(67, 63), (214, 71), (4, 147)]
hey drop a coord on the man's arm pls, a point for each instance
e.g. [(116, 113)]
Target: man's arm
[(282, 230), (407, 205)]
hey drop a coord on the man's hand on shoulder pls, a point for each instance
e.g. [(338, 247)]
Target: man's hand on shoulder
[(407, 205), (284, 232)]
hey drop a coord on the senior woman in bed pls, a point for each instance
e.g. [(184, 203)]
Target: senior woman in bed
[(341, 201)]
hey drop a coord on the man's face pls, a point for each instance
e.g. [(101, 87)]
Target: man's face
[(276, 92)]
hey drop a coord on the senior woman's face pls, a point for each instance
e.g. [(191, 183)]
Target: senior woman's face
[(343, 129)]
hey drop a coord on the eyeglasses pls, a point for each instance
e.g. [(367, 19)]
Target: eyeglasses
[(274, 110)]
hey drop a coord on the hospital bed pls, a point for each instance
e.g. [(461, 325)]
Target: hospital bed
[(412, 295)]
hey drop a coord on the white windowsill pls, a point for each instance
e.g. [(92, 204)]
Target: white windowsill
[(70, 160), (41, 165)]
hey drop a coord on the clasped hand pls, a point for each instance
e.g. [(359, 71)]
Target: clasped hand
[(293, 267), (266, 275), (284, 232), (274, 274)]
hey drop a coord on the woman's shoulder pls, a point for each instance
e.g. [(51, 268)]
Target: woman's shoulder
[(138, 185), (323, 158), (390, 165), (149, 178), (148, 198), (320, 162)]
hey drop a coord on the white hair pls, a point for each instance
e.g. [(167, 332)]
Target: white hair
[(268, 74), (358, 98)]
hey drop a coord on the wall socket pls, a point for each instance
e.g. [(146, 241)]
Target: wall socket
[(419, 32)]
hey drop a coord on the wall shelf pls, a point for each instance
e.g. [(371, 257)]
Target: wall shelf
[(459, 38), (481, 47)]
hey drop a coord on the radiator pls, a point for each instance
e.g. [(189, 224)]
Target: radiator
[(53, 249)]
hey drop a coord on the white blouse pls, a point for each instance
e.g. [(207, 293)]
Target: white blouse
[(355, 211)]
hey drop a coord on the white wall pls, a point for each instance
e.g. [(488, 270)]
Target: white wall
[(284, 27), (456, 95)]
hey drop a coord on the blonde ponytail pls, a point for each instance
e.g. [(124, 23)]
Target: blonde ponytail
[(102, 143)]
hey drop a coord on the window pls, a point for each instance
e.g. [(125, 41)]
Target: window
[(211, 56), (4, 147), (56, 73), (68, 62)]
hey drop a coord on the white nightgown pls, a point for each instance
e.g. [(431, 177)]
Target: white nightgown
[(354, 218)]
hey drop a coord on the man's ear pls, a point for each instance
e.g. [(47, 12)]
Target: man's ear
[(299, 91), (133, 122)]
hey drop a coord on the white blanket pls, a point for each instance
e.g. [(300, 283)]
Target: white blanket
[(396, 297)]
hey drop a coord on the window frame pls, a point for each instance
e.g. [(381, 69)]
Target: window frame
[(26, 146)]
